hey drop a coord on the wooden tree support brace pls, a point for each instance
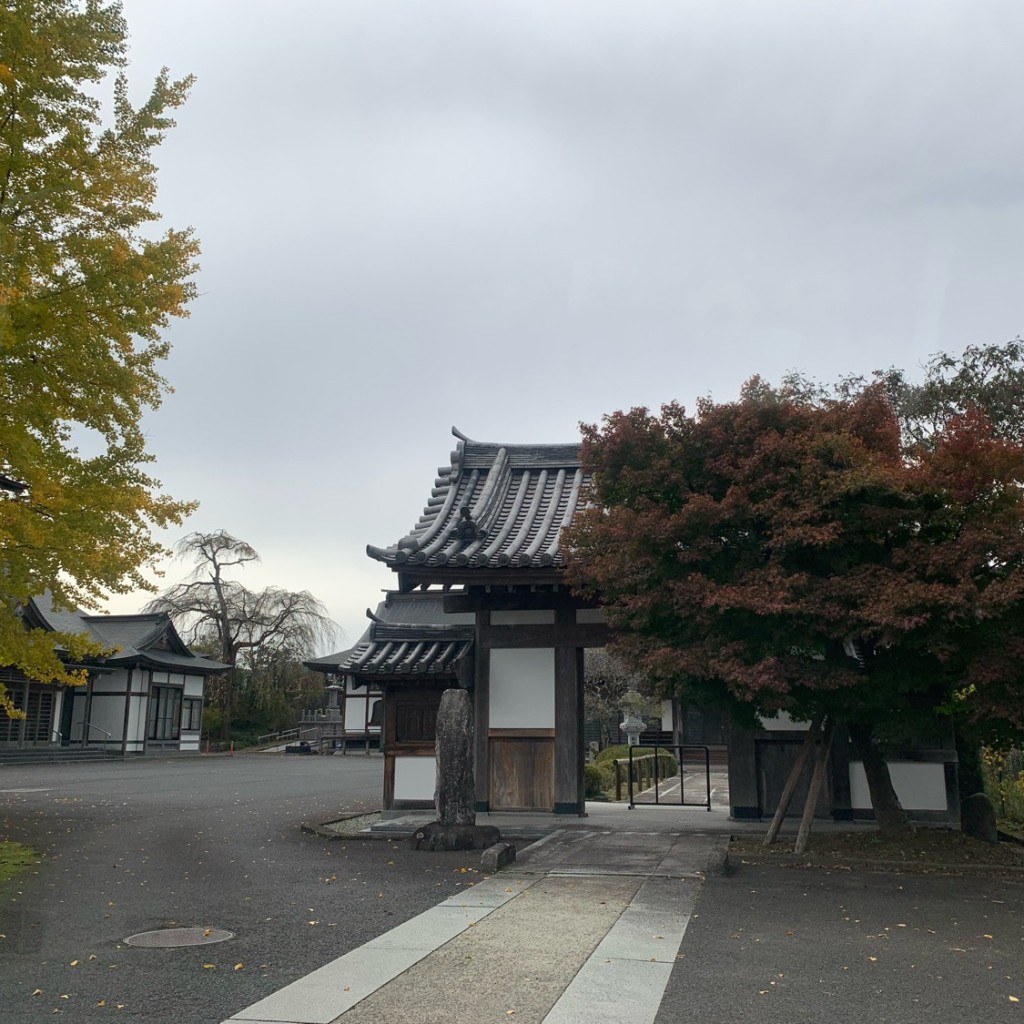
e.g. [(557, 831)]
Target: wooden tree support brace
[(817, 778), (794, 779)]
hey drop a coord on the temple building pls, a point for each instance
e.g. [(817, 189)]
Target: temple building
[(144, 696), (481, 603)]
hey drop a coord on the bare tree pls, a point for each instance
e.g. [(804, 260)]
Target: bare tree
[(608, 686), (241, 627)]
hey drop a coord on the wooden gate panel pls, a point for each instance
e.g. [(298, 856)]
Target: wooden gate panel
[(522, 773)]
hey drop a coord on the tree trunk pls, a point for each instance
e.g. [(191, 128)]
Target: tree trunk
[(892, 819)]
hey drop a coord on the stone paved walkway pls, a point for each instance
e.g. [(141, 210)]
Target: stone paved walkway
[(585, 928)]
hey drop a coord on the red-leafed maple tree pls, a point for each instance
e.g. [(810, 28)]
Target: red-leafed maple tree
[(790, 551)]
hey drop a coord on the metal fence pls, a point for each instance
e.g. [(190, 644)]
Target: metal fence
[(647, 771)]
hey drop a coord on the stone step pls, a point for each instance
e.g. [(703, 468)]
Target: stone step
[(50, 755)]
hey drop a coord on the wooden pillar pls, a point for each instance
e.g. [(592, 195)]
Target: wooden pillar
[(481, 716), (839, 763), (569, 797), (744, 792), (128, 708)]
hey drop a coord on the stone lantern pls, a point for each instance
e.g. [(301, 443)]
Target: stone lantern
[(632, 727), (632, 724), (333, 709)]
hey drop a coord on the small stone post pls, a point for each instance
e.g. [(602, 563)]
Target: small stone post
[(454, 793)]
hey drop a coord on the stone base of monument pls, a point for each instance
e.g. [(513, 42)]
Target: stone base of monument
[(437, 837)]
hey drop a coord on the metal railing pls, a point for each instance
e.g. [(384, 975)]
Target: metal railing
[(282, 736), (84, 737), (650, 774)]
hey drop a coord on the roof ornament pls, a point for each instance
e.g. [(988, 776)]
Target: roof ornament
[(466, 529)]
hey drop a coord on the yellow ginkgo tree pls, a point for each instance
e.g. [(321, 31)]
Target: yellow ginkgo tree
[(87, 285)]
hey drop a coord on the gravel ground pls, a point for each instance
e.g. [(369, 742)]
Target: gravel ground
[(927, 850)]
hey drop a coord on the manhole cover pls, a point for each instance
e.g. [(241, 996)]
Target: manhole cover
[(166, 938)]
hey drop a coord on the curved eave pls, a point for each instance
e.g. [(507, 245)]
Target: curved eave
[(198, 667)]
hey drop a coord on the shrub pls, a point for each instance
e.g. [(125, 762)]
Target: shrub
[(597, 780), (621, 751)]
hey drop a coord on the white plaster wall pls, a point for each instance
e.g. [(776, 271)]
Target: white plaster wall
[(781, 721), (107, 714), (414, 778), (78, 716), (920, 785), (58, 706), (355, 714), (589, 615), (193, 686), (527, 617), (137, 718), (160, 677), (522, 688), (666, 716), (115, 682)]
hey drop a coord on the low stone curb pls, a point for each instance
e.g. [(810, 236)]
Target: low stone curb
[(720, 860), (324, 830)]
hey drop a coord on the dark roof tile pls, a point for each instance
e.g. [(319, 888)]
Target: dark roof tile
[(496, 506)]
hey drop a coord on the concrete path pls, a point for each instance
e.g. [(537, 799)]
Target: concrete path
[(585, 928)]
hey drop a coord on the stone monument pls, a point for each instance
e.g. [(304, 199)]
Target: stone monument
[(456, 827)]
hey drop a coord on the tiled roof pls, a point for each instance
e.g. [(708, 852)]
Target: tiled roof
[(133, 635), (126, 631), (402, 649), (409, 634), (497, 506)]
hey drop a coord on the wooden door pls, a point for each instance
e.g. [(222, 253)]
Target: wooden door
[(522, 773)]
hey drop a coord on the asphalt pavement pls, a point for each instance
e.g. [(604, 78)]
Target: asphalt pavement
[(212, 842), (786, 946), (612, 918)]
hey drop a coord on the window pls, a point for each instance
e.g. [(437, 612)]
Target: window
[(416, 721), (164, 713), (191, 714)]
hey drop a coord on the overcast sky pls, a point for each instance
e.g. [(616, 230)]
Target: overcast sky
[(512, 217)]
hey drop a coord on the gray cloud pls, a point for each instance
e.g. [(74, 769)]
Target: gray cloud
[(514, 216)]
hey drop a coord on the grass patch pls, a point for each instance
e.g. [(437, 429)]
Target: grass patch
[(15, 858)]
